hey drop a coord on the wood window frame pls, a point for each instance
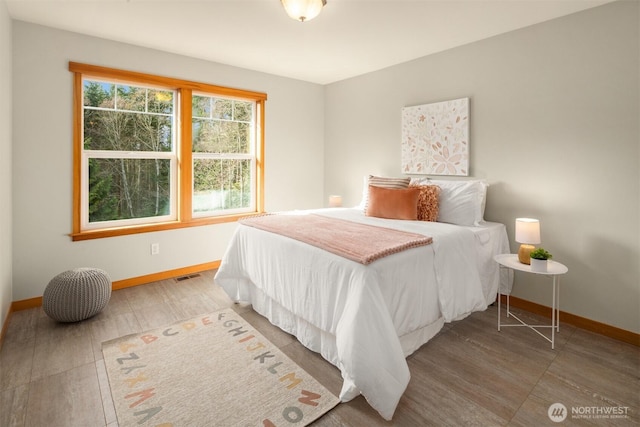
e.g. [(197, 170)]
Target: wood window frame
[(185, 88)]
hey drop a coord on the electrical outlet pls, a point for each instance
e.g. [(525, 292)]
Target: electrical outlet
[(155, 248)]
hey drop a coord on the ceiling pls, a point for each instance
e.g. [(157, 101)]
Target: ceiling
[(348, 38)]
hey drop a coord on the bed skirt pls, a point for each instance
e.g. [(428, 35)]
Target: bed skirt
[(323, 342)]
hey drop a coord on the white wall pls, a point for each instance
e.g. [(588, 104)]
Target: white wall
[(42, 175), (5, 163), (554, 129)]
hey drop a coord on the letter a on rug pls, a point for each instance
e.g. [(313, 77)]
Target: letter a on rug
[(212, 370)]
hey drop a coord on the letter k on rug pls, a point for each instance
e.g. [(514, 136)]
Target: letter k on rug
[(213, 370)]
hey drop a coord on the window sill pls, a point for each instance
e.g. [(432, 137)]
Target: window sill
[(173, 225)]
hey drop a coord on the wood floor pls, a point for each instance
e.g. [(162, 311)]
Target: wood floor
[(53, 374)]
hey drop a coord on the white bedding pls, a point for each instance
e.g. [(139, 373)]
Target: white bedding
[(366, 319)]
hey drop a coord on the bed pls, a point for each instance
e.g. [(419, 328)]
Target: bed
[(366, 319)]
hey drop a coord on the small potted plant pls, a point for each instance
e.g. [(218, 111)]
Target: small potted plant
[(539, 260)]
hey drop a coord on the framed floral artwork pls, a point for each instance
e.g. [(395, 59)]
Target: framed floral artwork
[(435, 138)]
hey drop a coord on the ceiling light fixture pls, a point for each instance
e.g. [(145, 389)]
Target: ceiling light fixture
[(303, 10)]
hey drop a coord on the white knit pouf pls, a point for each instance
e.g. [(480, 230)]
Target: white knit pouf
[(77, 294)]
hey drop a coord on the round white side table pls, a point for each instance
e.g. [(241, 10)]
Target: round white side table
[(554, 270)]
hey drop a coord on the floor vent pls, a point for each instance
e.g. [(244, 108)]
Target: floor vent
[(180, 279)]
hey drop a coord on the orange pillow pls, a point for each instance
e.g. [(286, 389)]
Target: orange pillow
[(393, 203), (428, 202)]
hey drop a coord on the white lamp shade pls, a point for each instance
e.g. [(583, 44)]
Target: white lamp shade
[(527, 231), (303, 10), (335, 201)]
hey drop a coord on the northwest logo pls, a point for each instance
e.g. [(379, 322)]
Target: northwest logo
[(557, 412)]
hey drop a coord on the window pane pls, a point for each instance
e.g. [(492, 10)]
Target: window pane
[(222, 108), (131, 98), (98, 94), (243, 111), (221, 184), (216, 136), (122, 131), (128, 188), (201, 106), (160, 101)]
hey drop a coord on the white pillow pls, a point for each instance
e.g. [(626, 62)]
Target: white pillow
[(461, 202)]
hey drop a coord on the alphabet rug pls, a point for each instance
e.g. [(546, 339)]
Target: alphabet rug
[(212, 370)]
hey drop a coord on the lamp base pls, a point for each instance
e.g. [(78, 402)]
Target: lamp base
[(524, 253)]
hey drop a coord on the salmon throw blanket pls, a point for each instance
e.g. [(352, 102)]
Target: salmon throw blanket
[(358, 242)]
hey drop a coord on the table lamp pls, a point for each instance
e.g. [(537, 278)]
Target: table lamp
[(528, 234), (335, 201)]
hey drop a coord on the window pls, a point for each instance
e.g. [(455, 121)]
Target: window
[(129, 154), (154, 153), (223, 155)]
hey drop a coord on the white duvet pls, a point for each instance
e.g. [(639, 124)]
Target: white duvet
[(366, 319)]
